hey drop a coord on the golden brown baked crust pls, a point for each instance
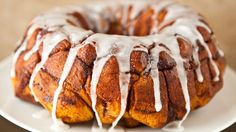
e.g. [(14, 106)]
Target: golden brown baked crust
[(74, 104)]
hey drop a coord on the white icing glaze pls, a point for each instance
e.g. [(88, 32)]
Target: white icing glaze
[(95, 128), (221, 53), (182, 77), (155, 76), (172, 45), (50, 21), (173, 127), (35, 48), (95, 76), (75, 36), (22, 48), (136, 10), (41, 114), (59, 126), (49, 43), (125, 17), (124, 94), (106, 48), (186, 25), (186, 21), (68, 64), (157, 8)]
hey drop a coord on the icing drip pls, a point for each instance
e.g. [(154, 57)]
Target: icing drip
[(51, 22), (182, 77), (124, 77), (152, 67), (97, 21), (35, 48), (204, 44), (185, 26), (124, 94), (41, 114), (155, 76), (15, 57), (66, 70), (136, 10), (95, 76), (154, 28), (221, 53), (171, 43), (105, 47), (75, 36), (98, 63), (22, 48), (49, 43), (157, 9), (154, 72), (95, 128), (124, 15), (59, 126)]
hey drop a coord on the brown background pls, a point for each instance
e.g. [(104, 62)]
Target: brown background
[(15, 14)]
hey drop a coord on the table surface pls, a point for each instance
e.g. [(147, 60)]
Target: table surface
[(16, 14)]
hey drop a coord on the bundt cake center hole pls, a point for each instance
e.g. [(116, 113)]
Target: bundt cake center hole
[(112, 27)]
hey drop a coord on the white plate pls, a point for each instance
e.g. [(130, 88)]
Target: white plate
[(216, 116)]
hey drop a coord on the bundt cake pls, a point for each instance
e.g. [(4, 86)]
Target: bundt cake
[(146, 62)]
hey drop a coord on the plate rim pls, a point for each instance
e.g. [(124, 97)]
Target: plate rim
[(5, 115)]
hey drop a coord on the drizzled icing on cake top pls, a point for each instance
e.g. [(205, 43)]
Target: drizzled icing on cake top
[(56, 22)]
